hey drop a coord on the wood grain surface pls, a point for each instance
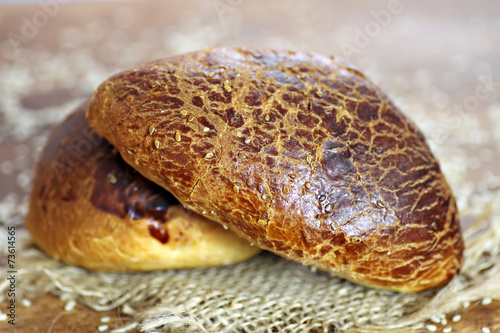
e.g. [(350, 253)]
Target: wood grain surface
[(144, 30)]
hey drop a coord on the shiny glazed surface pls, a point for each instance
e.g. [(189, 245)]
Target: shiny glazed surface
[(294, 151)]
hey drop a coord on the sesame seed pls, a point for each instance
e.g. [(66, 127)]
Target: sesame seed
[(456, 318), (102, 328), (265, 196), (211, 74), (322, 198), (209, 155), (446, 329), (250, 182), (227, 86), (267, 117), (130, 98), (112, 178), (380, 204), (190, 118), (486, 301), (136, 161), (105, 319), (206, 129), (26, 302), (431, 328), (151, 130), (466, 304), (261, 188), (247, 141), (308, 185), (69, 305), (434, 225), (328, 208), (485, 330), (235, 188), (3, 317), (157, 144), (435, 319), (184, 113), (239, 134), (444, 321), (177, 136)]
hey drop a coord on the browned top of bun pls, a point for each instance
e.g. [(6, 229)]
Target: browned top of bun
[(294, 151)]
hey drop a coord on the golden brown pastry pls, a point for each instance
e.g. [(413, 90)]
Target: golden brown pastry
[(89, 208), (296, 152)]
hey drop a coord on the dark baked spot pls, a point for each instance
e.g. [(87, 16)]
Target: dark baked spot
[(366, 111), (206, 123), (174, 90), (307, 120), (294, 99), (271, 151), (224, 97), (254, 97), (281, 110), (197, 101), (169, 101), (233, 118), (270, 162)]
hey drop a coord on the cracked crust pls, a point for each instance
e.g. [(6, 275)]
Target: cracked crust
[(91, 209), (296, 152)]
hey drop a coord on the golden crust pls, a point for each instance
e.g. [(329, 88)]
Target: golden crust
[(89, 208), (296, 152)]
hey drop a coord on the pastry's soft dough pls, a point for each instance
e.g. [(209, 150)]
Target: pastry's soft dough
[(89, 208), (296, 152)]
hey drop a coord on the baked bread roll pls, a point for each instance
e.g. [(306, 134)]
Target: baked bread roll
[(296, 152), (89, 208)]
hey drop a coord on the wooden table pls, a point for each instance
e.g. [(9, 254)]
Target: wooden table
[(389, 41)]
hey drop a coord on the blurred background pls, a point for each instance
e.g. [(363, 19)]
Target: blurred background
[(438, 60)]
